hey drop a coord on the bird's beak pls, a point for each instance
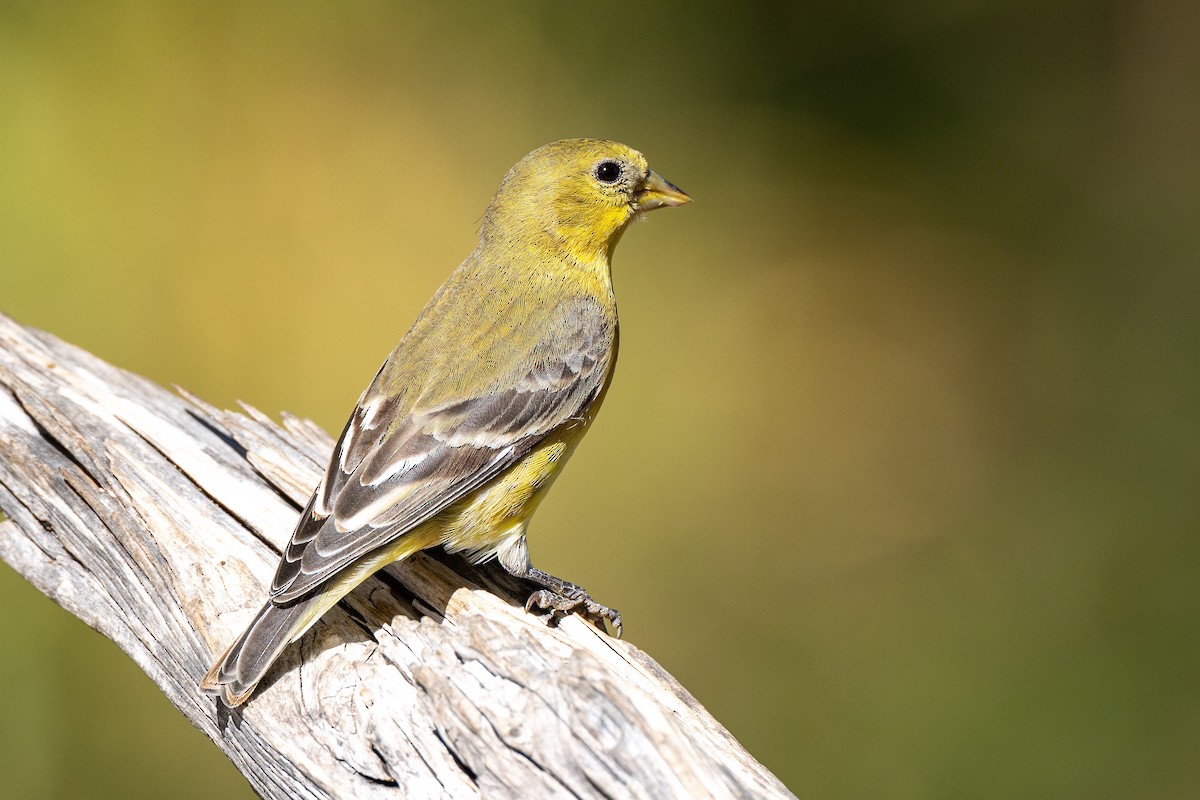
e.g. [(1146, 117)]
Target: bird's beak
[(657, 192)]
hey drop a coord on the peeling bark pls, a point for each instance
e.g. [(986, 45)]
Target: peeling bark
[(158, 520)]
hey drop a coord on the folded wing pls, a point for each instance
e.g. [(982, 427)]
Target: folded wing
[(392, 470)]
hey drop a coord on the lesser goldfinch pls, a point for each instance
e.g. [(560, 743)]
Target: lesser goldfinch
[(475, 412)]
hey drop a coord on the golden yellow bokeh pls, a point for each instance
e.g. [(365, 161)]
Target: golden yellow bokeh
[(898, 473)]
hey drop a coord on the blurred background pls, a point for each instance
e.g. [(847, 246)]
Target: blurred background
[(899, 473)]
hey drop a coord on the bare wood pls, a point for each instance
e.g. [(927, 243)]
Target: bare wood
[(158, 520)]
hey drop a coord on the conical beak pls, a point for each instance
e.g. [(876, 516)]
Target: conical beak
[(657, 192)]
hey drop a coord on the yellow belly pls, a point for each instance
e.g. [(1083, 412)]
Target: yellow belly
[(500, 511)]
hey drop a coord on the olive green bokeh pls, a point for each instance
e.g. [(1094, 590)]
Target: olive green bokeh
[(899, 470)]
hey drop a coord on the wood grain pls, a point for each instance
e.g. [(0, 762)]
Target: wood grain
[(158, 520)]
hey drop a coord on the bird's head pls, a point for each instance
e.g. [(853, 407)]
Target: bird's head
[(581, 192)]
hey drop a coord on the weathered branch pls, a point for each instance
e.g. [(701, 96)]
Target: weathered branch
[(158, 520)]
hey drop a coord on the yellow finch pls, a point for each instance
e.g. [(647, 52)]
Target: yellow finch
[(477, 409)]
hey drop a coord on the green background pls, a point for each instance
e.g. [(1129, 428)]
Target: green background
[(900, 472)]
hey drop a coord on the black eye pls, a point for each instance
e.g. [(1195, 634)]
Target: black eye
[(608, 171)]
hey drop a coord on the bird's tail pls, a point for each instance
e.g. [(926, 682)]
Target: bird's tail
[(247, 660)]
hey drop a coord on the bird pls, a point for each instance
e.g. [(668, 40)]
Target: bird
[(474, 413)]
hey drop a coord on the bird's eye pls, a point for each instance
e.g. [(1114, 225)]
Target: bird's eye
[(608, 171)]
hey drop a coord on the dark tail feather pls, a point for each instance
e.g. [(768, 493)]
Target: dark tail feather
[(247, 660)]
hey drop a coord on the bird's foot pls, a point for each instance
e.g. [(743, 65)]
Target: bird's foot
[(566, 598)]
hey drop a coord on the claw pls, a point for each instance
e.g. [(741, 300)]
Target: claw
[(573, 600)]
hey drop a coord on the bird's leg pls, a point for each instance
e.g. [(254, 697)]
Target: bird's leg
[(562, 597)]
